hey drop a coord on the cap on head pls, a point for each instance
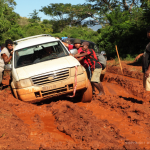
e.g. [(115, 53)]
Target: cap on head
[(77, 41), (67, 41), (63, 38), (85, 43)]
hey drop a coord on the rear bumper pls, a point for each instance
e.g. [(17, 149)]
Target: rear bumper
[(39, 93)]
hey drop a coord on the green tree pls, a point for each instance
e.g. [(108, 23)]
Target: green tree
[(67, 14), (37, 28), (109, 5), (34, 17), (8, 18), (78, 32), (125, 29)]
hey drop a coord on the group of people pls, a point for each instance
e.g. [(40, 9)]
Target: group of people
[(88, 59), (5, 57)]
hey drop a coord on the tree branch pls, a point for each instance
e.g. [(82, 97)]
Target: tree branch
[(131, 5)]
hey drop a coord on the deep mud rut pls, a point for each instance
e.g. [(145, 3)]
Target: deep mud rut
[(120, 119)]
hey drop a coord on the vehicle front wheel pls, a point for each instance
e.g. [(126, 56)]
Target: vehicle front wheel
[(87, 93)]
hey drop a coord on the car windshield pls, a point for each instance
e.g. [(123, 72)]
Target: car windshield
[(39, 53)]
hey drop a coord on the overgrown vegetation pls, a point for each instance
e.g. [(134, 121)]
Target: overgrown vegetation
[(78, 32), (123, 24)]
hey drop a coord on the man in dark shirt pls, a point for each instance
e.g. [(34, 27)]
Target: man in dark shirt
[(95, 65), (146, 64)]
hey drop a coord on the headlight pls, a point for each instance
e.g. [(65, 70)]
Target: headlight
[(80, 71), (24, 83)]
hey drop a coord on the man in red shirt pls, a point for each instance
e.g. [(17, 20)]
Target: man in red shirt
[(77, 44), (82, 60), (95, 65)]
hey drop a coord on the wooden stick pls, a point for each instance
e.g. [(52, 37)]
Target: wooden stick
[(119, 58)]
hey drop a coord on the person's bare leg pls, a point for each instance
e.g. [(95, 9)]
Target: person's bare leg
[(97, 85), (102, 89)]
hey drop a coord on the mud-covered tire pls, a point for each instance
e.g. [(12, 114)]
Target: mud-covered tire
[(14, 93), (13, 90), (87, 94)]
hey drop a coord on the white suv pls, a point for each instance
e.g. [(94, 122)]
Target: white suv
[(42, 67)]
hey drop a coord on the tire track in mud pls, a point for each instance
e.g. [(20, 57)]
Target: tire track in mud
[(118, 120), (132, 86), (126, 72), (120, 114)]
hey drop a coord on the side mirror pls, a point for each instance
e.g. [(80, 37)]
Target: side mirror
[(8, 67), (74, 51)]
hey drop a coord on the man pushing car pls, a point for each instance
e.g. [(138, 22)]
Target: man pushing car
[(95, 65)]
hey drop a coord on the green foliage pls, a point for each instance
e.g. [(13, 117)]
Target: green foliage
[(15, 32), (126, 30), (78, 32), (36, 28), (105, 6), (34, 17), (66, 14), (12, 26), (124, 24), (22, 21), (129, 58), (8, 18)]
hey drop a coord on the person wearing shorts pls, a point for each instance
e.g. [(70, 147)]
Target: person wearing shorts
[(95, 65)]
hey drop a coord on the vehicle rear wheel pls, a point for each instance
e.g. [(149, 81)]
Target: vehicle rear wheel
[(87, 93)]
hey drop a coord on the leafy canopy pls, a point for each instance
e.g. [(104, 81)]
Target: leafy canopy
[(62, 15)]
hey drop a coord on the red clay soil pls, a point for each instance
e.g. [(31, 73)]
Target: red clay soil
[(129, 68), (120, 119)]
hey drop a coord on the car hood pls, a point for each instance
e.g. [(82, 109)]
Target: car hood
[(47, 66)]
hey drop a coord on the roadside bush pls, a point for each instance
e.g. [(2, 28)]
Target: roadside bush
[(78, 32), (125, 30)]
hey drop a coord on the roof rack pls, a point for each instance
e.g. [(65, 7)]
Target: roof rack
[(36, 36)]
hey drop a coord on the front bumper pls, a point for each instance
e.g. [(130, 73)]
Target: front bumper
[(38, 93)]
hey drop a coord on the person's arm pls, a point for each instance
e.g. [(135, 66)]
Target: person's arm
[(137, 57), (81, 55), (5, 57), (79, 59), (67, 45)]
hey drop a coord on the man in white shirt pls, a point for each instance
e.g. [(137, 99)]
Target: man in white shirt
[(5, 57)]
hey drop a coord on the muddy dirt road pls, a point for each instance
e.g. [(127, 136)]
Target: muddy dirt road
[(120, 119)]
